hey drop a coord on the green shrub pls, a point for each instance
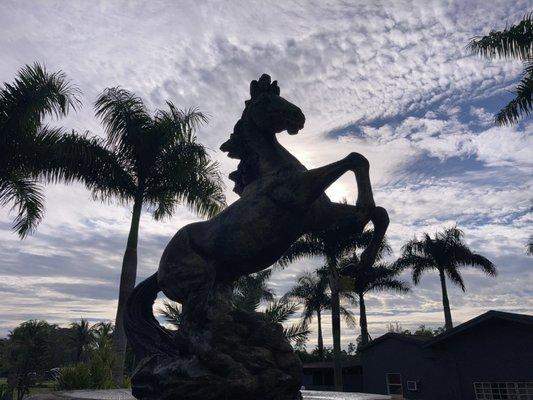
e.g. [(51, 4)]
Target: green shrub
[(97, 373), (101, 373), (75, 377), (126, 382)]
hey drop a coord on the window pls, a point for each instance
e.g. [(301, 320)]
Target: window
[(394, 384), (503, 390)]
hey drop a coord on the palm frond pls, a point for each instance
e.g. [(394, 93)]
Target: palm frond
[(280, 311), (250, 290), (520, 106), (390, 284), (513, 42), (35, 94), (199, 187), (349, 317), (125, 119), (171, 311), (483, 264), (27, 201), (455, 277), (297, 333), (305, 247)]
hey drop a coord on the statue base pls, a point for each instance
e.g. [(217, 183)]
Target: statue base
[(241, 356)]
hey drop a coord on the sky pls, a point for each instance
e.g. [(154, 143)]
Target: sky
[(389, 79)]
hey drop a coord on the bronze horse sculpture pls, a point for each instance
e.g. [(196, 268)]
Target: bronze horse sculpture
[(280, 200)]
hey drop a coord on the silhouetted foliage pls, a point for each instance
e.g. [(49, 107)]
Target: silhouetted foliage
[(160, 164), (422, 330), (332, 245), (515, 42), (311, 291), (82, 337), (34, 152), (249, 291), (365, 279), (445, 253)]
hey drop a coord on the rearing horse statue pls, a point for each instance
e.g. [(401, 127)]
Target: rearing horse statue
[(280, 200)]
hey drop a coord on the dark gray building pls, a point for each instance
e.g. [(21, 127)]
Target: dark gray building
[(319, 375), (488, 357)]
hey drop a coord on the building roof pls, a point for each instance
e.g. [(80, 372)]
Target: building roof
[(355, 362), (489, 315), (414, 339), (427, 341)]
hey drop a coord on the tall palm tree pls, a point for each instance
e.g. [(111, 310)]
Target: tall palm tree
[(82, 337), (162, 166), (514, 42), (445, 253), (33, 152), (311, 291), (365, 279), (331, 245)]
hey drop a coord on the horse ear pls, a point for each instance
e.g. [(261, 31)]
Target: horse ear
[(254, 89), (274, 88)]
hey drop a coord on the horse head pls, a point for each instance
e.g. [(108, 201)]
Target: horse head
[(266, 113)]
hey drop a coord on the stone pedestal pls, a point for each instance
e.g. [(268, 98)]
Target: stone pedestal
[(242, 356)]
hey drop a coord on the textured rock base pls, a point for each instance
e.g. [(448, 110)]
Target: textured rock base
[(242, 356)]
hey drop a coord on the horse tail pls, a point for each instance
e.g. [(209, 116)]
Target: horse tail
[(144, 333)]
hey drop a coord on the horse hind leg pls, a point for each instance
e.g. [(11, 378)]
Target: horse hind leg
[(188, 278)]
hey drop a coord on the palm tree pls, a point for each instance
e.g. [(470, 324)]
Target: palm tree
[(311, 291), (331, 245), (513, 42), (446, 253), (365, 279), (162, 166), (82, 336), (33, 152), (103, 334)]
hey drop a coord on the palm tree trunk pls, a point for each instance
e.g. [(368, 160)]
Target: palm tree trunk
[(320, 339), (127, 284), (445, 302), (362, 320), (335, 322)]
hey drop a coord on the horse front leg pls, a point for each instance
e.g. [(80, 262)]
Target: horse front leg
[(335, 216), (316, 181)]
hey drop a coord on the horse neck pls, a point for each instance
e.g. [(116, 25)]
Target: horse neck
[(269, 155)]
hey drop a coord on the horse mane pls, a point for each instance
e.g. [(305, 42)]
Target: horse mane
[(238, 146)]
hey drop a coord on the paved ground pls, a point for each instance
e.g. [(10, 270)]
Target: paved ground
[(122, 394)]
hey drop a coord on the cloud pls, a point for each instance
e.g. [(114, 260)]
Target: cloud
[(391, 80)]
